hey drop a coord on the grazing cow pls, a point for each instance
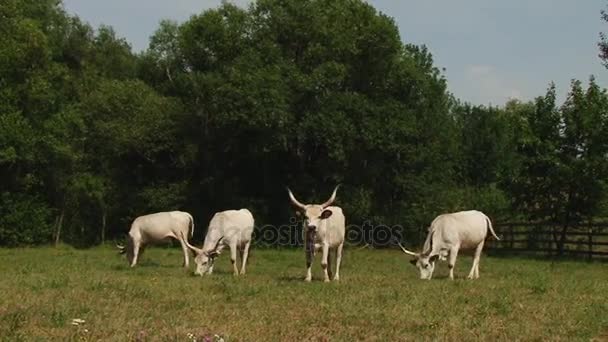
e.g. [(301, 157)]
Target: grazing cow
[(324, 227), (448, 234), (232, 228), (155, 228)]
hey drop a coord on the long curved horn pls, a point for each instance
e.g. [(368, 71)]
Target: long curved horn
[(295, 201), (331, 199), (217, 244), (406, 251), (194, 249), (121, 249)]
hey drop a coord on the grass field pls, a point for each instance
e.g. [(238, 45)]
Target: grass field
[(378, 298)]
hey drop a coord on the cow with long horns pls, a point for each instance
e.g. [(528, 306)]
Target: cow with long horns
[(232, 228), (324, 228), (449, 233), (155, 228)]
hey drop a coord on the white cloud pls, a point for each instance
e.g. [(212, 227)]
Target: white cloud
[(487, 84)]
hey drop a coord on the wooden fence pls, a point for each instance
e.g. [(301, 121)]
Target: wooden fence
[(589, 240)]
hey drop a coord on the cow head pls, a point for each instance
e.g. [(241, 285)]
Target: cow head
[(203, 259), (423, 261), (314, 214), (126, 250)]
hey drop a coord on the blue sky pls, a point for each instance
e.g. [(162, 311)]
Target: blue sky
[(492, 49)]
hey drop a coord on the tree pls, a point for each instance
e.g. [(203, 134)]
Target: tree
[(603, 43), (306, 90)]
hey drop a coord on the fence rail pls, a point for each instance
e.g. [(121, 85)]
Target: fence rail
[(588, 239)]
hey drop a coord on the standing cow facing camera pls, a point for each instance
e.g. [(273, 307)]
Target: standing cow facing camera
[(324, 228), (232, 228), (449, 233), (155, 228)]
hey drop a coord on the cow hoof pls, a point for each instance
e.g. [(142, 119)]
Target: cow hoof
[(336, 278), (307, 280), (326, 280)]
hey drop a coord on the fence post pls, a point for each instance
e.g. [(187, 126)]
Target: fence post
[(512, 235), (590, 241)]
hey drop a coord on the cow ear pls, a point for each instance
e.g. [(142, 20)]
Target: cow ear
[(213, 254), (298, 213), (434, 258), (413, 261), (325, 214)]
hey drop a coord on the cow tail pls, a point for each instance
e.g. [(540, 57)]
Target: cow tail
[(491, 229), (191, 225)]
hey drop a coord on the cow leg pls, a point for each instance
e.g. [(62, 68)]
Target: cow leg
[(136, 246), (474, 274), (186, 255), (324, 261), (452, 260), (244, 256), (310, 255), (338, 261), (240, 256), (329, 261), (233, 250)]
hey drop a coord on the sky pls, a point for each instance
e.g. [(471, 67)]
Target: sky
[(492, 50)]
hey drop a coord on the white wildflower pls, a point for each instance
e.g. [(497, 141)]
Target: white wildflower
[(77, 321)]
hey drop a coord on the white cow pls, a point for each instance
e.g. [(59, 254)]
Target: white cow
[(155, 228), (324, 227), (448, 234), (232, 228)]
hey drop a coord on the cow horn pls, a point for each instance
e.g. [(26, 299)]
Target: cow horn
[(194, 249), (217, 244), (332, 198), (294, 200), (406, 251), (214, 252), (121, 249)]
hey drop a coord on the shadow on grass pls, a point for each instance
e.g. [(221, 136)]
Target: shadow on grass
[(543, 257), (145, 265), (217, 273), (291, 279)]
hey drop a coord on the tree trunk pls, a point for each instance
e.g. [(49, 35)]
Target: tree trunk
[(103, 227), (58, 226), (562, 237)]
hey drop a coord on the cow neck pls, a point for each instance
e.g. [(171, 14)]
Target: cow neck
[(429, 243), (209, 244)]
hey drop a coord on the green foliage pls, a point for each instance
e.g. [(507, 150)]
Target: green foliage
[(23, 220), (306, 91), (227, 108)]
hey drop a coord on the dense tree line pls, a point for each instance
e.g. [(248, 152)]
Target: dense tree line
[(228, 108)]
